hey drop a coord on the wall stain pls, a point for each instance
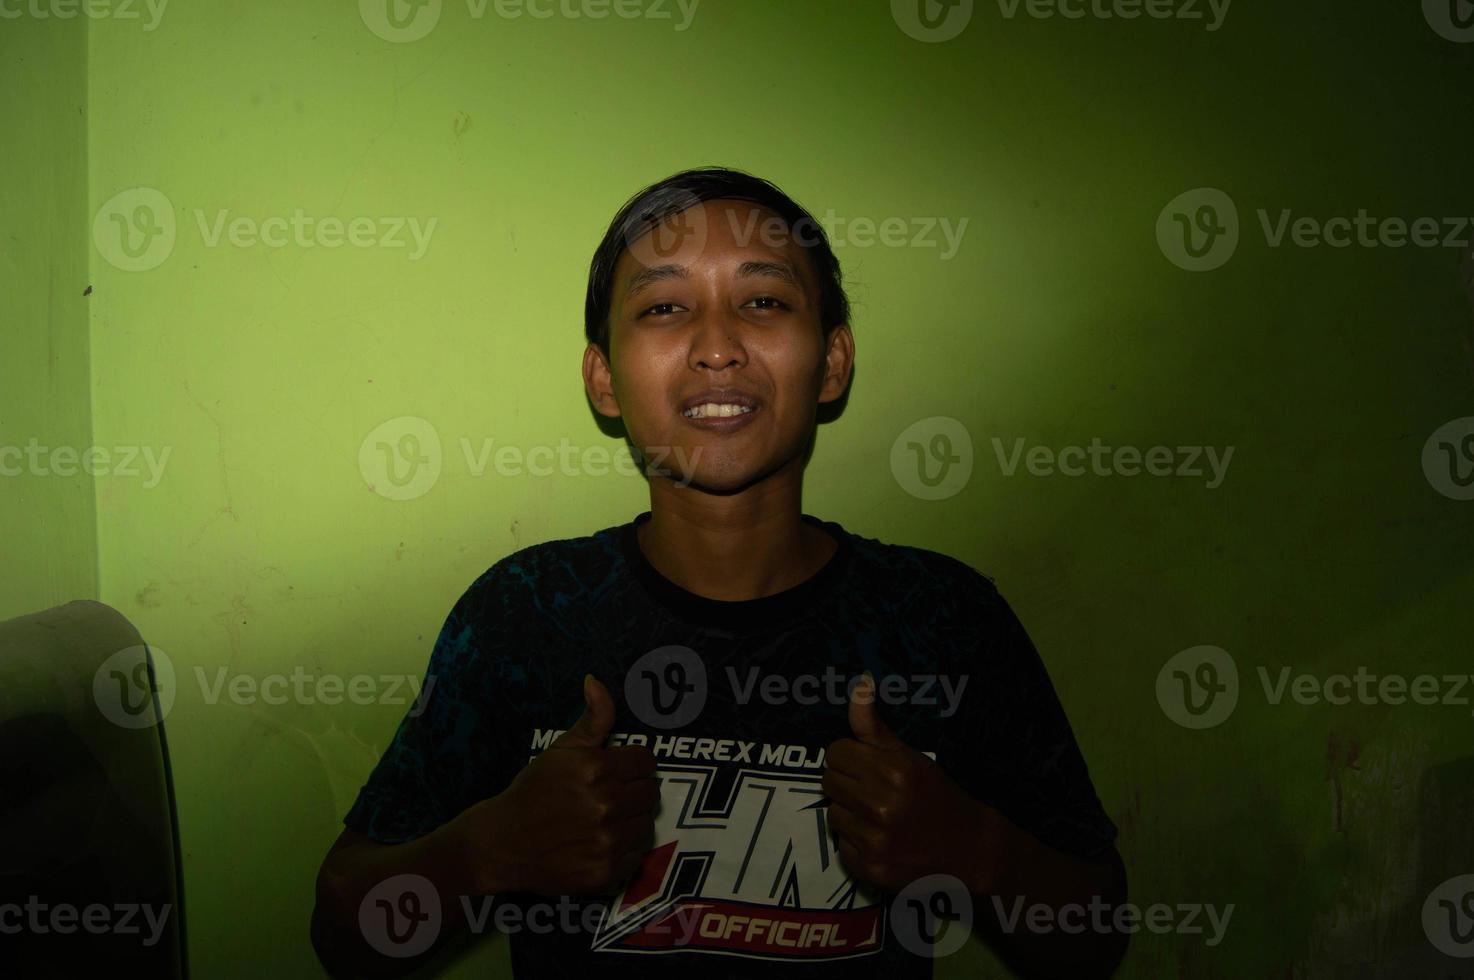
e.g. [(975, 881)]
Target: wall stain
[(1339, 759)]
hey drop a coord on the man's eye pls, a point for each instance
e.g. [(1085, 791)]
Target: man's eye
[(771, 299), (659, 306)]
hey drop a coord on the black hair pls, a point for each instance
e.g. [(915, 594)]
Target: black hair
[(683, 190)]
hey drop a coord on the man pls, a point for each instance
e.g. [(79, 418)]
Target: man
[(797, 750)]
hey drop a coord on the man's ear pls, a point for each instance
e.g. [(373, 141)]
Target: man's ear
[(839, 361), (598, 381)]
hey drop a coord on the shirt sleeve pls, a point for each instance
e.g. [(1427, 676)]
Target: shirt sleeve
[(440, 750), (1017, 750)]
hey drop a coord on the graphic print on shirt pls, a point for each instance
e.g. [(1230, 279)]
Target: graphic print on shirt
[(744, 861)]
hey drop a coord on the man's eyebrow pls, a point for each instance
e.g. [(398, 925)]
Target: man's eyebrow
[(653, 274), (779, 270), (646, 277)]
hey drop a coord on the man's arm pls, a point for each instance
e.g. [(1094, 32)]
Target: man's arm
[(899, 817), (1010, 872), (354, 866), (577, 820)]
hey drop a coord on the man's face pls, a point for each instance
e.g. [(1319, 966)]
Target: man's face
[(719, 296)]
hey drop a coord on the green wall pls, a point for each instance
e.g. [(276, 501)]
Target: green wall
[(47, 515), (270, 541)]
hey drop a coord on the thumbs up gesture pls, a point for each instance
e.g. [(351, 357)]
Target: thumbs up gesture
[(896, 814), (576, 820)]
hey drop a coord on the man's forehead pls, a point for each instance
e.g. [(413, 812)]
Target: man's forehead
[(736, 235), (775, 268)]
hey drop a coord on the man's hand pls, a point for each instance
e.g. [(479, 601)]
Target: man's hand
[(898, 815), (577, 820)]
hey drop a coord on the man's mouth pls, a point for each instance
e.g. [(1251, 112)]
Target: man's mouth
[(719, 403), (709, 410)]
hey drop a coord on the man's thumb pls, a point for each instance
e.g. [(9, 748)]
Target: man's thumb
[(865, 721), (592, 727)]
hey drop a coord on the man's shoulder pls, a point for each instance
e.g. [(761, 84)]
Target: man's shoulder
[(921, 572), (558, 565)]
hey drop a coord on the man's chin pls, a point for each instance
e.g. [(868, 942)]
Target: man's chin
[(713, 479)]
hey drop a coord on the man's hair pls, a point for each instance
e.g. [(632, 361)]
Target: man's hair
[(679, 192)]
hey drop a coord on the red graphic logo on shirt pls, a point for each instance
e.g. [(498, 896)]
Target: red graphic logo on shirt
[(756, 874)]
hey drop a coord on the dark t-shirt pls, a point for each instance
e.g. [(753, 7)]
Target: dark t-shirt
[(744, 875)]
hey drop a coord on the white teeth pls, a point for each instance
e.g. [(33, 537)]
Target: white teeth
[(713, 410)]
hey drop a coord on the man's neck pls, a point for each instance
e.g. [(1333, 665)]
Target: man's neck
[(734, 553)]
